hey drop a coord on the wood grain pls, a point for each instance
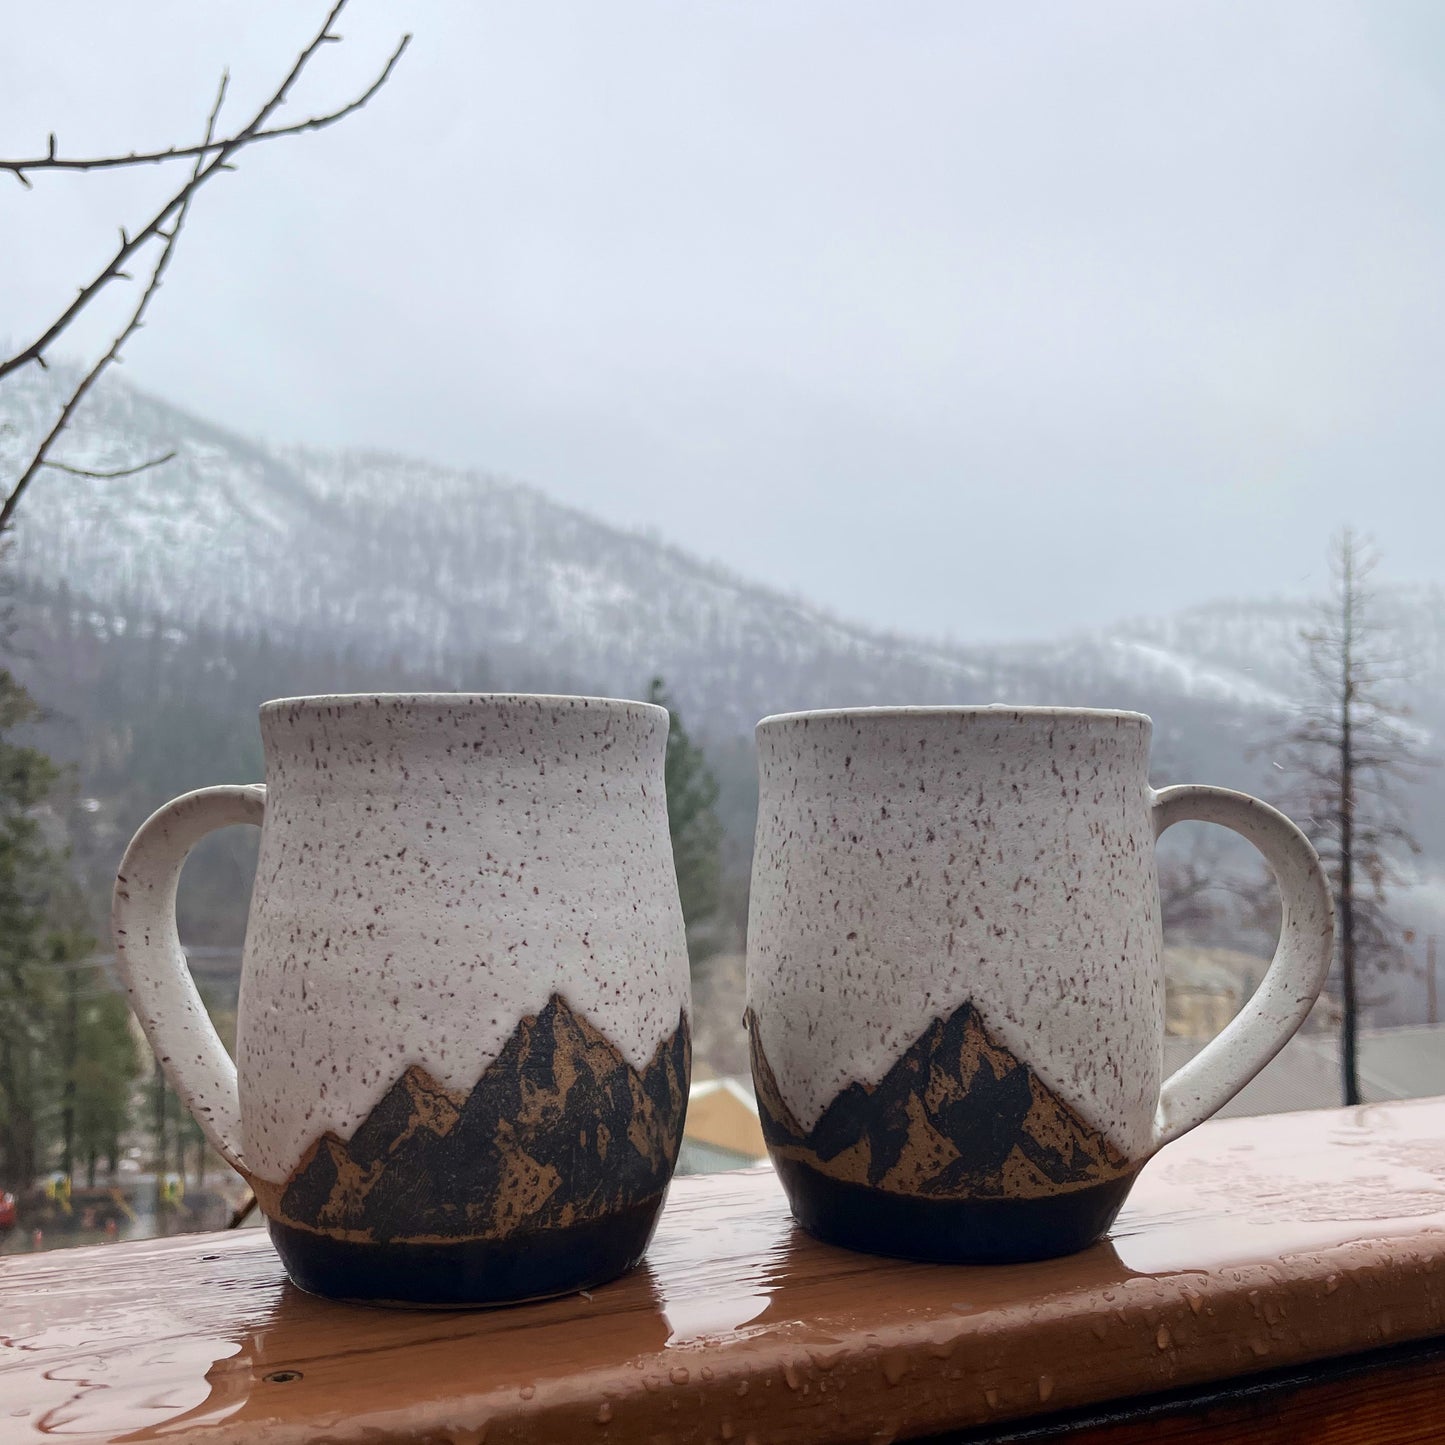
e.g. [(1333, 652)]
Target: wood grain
[(1251, 1246), (1388, 1397)]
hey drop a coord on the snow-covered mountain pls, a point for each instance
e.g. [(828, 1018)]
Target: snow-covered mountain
[(153, 612), (392, 557), (396, 556)]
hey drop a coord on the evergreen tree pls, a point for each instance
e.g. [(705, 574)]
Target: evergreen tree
[(692, 793), (29, 1067), (107, 1067), (67, 1055)]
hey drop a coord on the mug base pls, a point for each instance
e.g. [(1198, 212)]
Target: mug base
[(468, 1274), (949, 1231)]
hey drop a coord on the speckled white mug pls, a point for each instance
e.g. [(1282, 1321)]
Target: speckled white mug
[(462, 1034), (955, 985)]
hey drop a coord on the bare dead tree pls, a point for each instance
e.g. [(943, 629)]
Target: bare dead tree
[(1350, 751), (156, 238), (1195, 893), (1215, 893)]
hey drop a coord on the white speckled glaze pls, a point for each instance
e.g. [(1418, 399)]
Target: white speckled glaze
[(910, 860), (432, 869)]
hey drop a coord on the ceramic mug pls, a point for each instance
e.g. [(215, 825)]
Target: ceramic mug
[(462, 1042), (955, 986)]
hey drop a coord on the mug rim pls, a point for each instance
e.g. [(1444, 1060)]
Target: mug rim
[(356, 701), (963, 711)]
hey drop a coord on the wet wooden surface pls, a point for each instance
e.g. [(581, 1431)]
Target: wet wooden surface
[(1386, 1397), (1252, 1246)]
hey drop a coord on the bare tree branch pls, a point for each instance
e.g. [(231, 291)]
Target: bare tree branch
[(52, 162), (111, 475), (136, 321), (202, 172)]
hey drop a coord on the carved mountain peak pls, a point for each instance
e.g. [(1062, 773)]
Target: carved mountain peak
[(957, 1115), (559, 1129)]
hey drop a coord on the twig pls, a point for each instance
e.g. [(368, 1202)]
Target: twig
[(137, 319), (200, 174), (110, 476), (52, 162)]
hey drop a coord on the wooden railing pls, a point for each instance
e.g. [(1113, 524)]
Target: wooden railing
[(1271, 1279)]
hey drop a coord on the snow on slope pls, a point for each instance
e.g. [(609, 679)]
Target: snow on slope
[(393, 555)]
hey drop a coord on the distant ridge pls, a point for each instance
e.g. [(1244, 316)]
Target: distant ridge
[(370, 570), (385, 554)]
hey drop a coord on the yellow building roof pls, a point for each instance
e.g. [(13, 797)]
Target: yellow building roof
[(720, 1112)]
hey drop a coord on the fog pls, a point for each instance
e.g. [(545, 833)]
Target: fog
[(970, 320)]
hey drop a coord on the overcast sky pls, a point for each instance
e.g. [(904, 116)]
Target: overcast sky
[(976, 319)]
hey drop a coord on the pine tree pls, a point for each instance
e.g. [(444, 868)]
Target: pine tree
[(29, 1001), (67, 1055), (692, 793), (107, 1067), (96, 1046)]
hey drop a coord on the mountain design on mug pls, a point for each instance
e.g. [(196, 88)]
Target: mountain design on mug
[(957, 1117), (559, 1130)]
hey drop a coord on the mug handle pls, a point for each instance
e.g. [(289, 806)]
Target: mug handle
[(1294, 977), (153, 968)]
